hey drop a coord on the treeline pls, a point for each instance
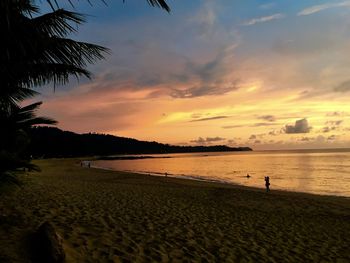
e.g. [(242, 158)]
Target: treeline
[(48, 142)]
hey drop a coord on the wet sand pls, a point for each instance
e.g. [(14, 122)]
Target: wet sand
[(108, 216)]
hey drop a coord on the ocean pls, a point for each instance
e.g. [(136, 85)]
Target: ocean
[(325, 172)]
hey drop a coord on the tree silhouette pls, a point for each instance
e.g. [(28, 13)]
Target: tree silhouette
[(16, 122), (35, 51)]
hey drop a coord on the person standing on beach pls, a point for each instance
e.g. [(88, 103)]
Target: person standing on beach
[(267, 183)]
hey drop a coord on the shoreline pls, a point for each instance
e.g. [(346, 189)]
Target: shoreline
[(200, 179), (111, 216), (185, 177)]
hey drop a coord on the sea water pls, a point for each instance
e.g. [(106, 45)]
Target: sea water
[(325, 172)]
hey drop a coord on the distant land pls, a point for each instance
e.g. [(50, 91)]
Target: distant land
[(49, 142)]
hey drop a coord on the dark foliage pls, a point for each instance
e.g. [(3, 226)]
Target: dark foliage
[(35, 51), (49, 142), (16, 121)]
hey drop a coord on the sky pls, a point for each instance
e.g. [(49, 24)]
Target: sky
[(263, 74)]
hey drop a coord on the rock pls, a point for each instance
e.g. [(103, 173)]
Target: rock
[(47, 245)]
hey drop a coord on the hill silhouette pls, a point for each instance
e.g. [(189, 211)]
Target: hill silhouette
[(48, 142)]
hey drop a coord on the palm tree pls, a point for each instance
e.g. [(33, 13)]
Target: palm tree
[(15, 124), (35, 51)]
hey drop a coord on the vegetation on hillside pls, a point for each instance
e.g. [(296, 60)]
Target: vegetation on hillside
[(52, 142)]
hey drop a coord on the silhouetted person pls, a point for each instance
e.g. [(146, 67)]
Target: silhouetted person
[(267, 183), (248, 176)]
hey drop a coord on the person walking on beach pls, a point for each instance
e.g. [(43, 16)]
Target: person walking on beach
[(267, 183)]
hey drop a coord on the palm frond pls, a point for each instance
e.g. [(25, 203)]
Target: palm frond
[(158, 3), (68, 51), (25, 117), (38, 121), (15, 94), (22, 6), (42, 74), (57, 23), (34, 46), (31, 107)]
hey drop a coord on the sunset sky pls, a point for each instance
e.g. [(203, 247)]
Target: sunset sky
[(264, 74)]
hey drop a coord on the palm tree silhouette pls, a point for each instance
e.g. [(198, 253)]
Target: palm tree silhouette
[(36, 49), (16, 122), (35, 52)]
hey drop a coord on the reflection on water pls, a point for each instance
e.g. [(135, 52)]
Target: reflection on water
[(323, 172)]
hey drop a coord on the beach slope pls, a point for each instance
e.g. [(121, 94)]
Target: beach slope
[(107, 216)]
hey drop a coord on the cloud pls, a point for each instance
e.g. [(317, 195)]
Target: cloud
[(264, 19), (93, 115), (274, 133), (336, 114), (267, 6), (262, 124), (269, 118), (183, 78), (343, 87), (336, 123), (259, 124), (205, 20), (233, 126), (210, 118), (210, 76), (328, 129), (301, 126), (207, 140), (166, 63), (214, 139), (200, 91), (332, 137), (196, 115), (231, 142), (200, 140), (318, 8), (320, 139), (307, 139)]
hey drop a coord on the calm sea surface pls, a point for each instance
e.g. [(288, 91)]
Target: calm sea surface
[(324, 172)]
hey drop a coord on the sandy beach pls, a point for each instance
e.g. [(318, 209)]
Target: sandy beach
[(108, 216)]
